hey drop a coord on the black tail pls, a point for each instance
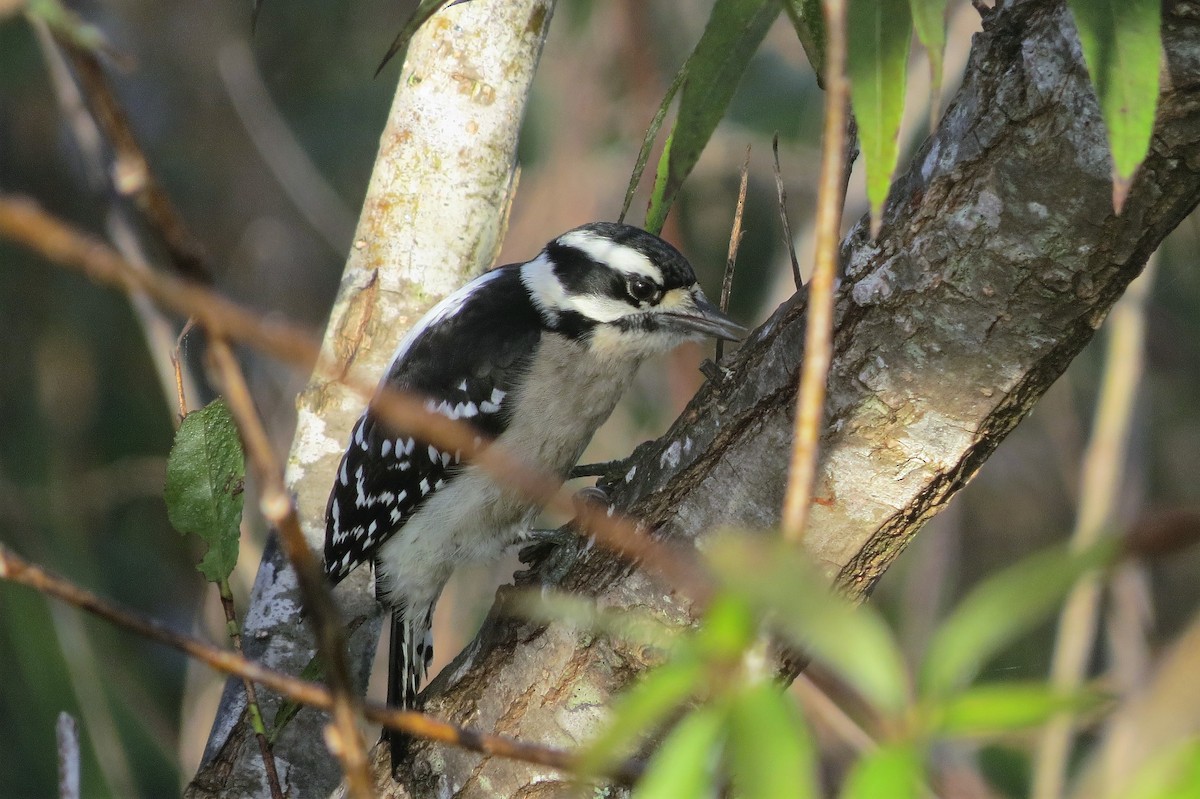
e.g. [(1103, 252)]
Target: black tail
[(408, 660)]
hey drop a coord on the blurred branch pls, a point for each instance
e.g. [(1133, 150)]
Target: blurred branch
[(131, 173), (17, 570), (83, 126), (1100, 491), (303, 183), (818, 343)]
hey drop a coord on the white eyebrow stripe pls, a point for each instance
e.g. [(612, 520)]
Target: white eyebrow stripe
[(618, 256)]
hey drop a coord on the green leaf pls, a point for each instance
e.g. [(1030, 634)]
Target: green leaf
[(729, 629), (1007, 707), (314, 671), (643, 156), (682, 767), (879, 32), (808, 20), (893, 771), (999, 610), (205, 477), (770, 753), (781, 583), (1171, 774), (929, 19), (734, 31), (659, 693), (1122, 47)]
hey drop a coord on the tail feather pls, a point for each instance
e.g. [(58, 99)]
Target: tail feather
[(408, 660)]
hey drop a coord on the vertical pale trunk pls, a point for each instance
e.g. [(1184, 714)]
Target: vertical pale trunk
[(432, 218)]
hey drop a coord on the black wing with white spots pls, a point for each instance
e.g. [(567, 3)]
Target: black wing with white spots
[(465, 357)]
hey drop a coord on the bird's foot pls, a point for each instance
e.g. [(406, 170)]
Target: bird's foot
[(551, 553)]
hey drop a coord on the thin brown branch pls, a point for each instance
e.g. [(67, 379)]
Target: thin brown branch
[(23, 222), (280, 511), (17, 570), (735, 242), (252, 706), (788, 241), (1104, 464), (231, 622), (131, 173), (818, 340)]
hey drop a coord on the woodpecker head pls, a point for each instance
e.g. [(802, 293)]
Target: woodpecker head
[(619, 287)]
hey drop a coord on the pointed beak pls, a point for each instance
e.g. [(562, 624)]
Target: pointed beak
[(705, 319)]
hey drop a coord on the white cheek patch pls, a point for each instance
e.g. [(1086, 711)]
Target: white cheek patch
[(599, 308), (618, 256)]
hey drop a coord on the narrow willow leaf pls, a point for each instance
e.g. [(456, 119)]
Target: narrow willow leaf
[(929, 19), (1171, 774), (643, 156), (734, 31), (683, 767), (893, 771), (1007, 707), (314, 671), (425, 10), (879, 32), (784, 586), (729, 629), (809, 22), (999, 610), (1122, 47), (770, 753), (658, 694), (205, 474)]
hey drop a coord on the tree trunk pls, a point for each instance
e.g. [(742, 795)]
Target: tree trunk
[(1000, 256), (432, 219)]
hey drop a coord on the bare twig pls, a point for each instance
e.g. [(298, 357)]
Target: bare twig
[(735, 241), (252, 706), (15, 569), (818, 342), (788, 241), (231, 621), (1100, 489), (66, 731), (277, 507)]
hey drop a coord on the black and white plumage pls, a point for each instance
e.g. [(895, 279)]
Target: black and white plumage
[(533, 355)]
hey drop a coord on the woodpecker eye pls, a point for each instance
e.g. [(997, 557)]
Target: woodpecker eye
[(642, 290)]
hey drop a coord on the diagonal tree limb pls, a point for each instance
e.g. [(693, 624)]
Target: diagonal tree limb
[(999, 258)]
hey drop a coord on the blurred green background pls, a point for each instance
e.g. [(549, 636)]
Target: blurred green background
[(85, 427)]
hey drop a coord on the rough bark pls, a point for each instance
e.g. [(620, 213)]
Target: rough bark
[(433, 217), (999, 257)]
